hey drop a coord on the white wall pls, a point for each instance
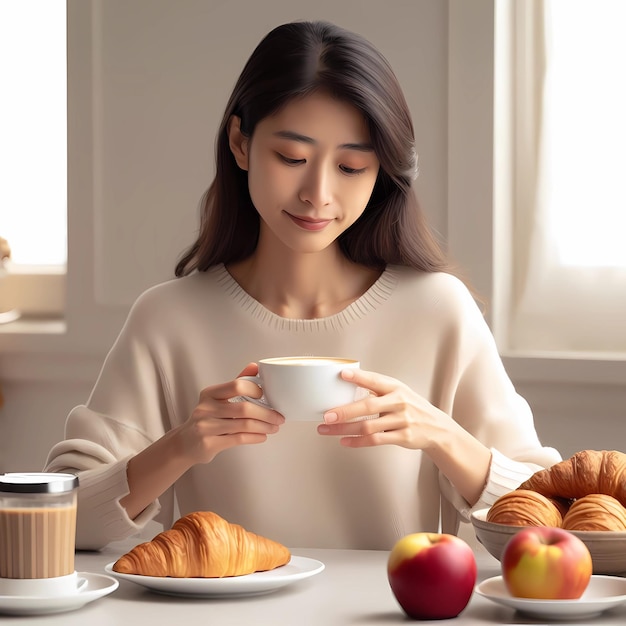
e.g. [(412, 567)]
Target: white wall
[(148, 81)]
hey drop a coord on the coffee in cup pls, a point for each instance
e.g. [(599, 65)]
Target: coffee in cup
[(37, 533), (303, 388)]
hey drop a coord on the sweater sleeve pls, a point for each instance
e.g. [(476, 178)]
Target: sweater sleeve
[(126, 412), (488, 406), (505, 475)]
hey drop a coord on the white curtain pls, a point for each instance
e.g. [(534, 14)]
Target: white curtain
[(571, 232)]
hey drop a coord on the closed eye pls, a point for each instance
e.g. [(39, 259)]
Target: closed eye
[(351, 171), (289, 161)]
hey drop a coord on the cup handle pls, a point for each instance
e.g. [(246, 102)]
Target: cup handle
[(258, 401)]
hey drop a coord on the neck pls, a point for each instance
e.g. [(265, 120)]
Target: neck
[(303, 286)]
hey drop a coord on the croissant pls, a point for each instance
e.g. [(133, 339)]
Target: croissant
[(203, 545), (586, 472), (596, 511), (523, 507)]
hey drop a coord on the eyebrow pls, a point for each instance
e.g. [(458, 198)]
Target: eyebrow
[(293, 136)]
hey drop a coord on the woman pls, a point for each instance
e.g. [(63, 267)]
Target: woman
[(311, 242)]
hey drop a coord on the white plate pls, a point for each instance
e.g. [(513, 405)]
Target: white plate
[(602, 593), (259, 583), (97, 586)]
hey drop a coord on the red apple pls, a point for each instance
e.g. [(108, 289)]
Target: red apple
[(432, 575), (546, 563)]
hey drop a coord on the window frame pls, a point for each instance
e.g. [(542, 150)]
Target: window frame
[(34, 291)]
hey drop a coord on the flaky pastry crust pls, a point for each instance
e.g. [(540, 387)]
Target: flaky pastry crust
[(523, 507), (596, 511), (203, 545), (586, 472)]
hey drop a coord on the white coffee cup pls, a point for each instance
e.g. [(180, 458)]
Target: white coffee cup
[(303, 388)]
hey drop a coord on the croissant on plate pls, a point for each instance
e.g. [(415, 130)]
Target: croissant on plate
[(523, 507), (586, 472), (597, 511), (203, 545)]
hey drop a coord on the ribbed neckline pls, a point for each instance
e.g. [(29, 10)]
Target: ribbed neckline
[(378, 293)]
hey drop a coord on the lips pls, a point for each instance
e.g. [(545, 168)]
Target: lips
[(307, 223)]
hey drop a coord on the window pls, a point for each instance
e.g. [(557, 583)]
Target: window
[(583, 162), (33, 154), (570, 199)]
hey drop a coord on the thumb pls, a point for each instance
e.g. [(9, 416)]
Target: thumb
[(252, 369)]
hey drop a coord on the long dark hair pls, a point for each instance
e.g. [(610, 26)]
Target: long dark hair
[(292, 61)]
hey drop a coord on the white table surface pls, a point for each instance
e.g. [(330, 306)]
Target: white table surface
[(352, 590)]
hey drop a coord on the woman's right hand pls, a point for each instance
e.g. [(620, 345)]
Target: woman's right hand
[(214, 425), (217, 423)]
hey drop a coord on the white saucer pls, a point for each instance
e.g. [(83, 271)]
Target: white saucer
[(298, 568), (602, 593), (98, 585)]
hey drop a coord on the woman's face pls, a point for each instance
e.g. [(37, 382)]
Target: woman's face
[(311, 171)]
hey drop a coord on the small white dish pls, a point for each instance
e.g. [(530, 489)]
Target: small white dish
[(259, 583), (97, 586), (42, 587), (602, 593)]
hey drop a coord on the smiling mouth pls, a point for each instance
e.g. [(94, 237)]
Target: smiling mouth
[(308, 223)]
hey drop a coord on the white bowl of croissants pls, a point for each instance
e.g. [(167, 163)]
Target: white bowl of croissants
[(585, 494)]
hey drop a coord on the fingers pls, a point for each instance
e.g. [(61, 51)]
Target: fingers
[(219, 425), (377, 383), (368, 406), (218, 414), (232, 389), (216, 427), (243, 410), (370, 403), (363, 433), (384, 395), (203, 449), (223, 418), (362, 427), (390, 413)]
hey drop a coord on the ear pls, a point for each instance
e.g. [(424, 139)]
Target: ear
[(238, 142)]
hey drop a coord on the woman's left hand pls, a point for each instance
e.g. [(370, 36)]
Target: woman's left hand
[(407, 419), (404, 417)]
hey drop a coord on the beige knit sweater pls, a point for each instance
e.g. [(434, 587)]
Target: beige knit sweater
[(299, 488)]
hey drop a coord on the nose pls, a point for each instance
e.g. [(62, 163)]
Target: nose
[(316, 186)]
